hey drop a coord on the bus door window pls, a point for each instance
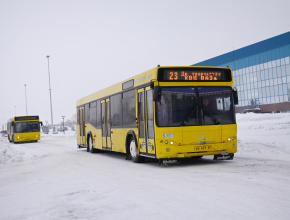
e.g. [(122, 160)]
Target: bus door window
[(87, 118), (82, 125), (141, 123), (103, 113), (150, 125), (108, 125)]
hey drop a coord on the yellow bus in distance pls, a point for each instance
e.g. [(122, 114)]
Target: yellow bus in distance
[(24, 128), (165, 113)]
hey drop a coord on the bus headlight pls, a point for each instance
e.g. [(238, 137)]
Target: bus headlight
[(233, 138), (229, 139), (166, 142), (171, 142), (167, 149)]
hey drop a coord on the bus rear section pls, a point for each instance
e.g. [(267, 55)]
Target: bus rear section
[(195, 121), (24, 129)]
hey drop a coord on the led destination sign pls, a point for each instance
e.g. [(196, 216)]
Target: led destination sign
[(192, 75)]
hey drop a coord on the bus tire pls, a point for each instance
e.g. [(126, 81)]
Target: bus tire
[(90, 147), (136, 158), (9, 138), (13, 140)]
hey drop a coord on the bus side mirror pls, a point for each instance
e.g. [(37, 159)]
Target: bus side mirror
[(12, 123), (157, 94), (152, 81), (236, 98), (41, 123)]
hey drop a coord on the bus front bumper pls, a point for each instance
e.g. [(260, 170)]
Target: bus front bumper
[(173, 151), (25, 137)]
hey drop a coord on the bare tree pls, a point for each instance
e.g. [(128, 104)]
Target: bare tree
[(73, 118), (252, 102)]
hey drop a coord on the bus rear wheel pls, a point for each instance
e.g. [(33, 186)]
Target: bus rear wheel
[(90, 147), (136, 158)]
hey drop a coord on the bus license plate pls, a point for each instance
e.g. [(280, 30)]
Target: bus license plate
[(203, 148)]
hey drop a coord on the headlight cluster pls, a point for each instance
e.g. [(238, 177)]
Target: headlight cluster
[(233, 138), (166, 142)]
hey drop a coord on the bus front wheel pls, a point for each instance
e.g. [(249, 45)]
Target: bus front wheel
[(136, 158)]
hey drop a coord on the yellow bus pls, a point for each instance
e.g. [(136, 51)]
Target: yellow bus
[(23, 128), (165, 113)]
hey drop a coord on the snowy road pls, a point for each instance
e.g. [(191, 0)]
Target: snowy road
[(52, 179)]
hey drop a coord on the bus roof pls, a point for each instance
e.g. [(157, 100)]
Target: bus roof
[(24, 118), (140, 79)]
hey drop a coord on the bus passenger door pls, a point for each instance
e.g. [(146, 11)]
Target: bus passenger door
[(108, 125), (149, 123), (104, 130), (82, 126), (141, 122)]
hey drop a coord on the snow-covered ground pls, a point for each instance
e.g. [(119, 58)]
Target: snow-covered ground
[(52, 179)]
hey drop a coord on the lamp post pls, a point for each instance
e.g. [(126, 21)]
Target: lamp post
[(63, 123), (25, 99), (50, 92)]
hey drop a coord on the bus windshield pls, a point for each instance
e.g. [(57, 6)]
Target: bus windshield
[(191, 106), (24, 127)]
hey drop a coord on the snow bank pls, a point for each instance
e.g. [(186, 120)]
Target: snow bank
[(8, 154), (67, 134), (264, 134)]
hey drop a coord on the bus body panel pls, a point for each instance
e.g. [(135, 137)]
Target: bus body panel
[(182, 141), (119, 138), (195, 140), (29, 136)]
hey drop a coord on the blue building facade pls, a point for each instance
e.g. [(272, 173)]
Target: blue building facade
[(261, 73)]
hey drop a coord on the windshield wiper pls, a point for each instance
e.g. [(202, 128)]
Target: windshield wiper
[(187, 118), (210, 115)]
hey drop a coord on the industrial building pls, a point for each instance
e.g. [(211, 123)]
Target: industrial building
[(261, 74)]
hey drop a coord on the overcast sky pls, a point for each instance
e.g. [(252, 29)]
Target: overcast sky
[(93, 44)]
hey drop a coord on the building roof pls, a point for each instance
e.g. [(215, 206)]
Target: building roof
[(260, 47)]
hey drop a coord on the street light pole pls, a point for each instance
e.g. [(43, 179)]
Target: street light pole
[(63, 124), (50, 92), (26, 99)]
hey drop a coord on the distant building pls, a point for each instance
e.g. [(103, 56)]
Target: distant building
[(261, 74)]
